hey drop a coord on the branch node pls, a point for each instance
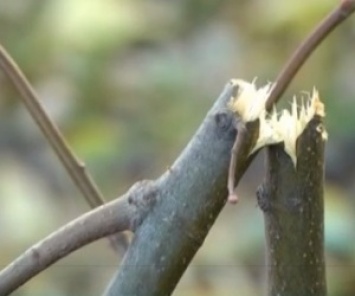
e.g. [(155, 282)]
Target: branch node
[(263, 199), (224, 120), (142, 195)]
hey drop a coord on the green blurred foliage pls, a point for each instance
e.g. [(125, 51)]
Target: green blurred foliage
[(128, 82)]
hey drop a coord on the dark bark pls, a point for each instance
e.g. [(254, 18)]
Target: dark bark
[(192, 193), (292, 201)]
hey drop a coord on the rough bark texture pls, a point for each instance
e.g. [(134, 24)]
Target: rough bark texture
[(292, 201), (192, 193)]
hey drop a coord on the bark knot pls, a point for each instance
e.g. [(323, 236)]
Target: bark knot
[(143, 196)]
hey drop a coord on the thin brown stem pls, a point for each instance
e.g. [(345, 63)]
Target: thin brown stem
[(330, 22), (237, 146), (75, 168)]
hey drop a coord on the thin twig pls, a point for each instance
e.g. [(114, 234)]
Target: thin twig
[(123, 213), (308, 46), (75, 168), (240, 138), (103, 221)]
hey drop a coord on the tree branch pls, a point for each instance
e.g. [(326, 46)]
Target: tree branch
[(185, 209), (124, 213), (330, 22), (292, 201), (74, 167), (190, 198)]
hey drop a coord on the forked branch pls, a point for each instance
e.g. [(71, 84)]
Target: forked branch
[(190, 197), (176, 221)]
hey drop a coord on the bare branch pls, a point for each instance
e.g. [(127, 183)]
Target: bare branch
[(242, 146), (187, 205), (191, 195), (307, 47), (121, 214), (179, 221), (75, 168), (239, 139)]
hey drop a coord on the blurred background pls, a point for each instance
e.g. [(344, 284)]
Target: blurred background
[(128, 82)]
